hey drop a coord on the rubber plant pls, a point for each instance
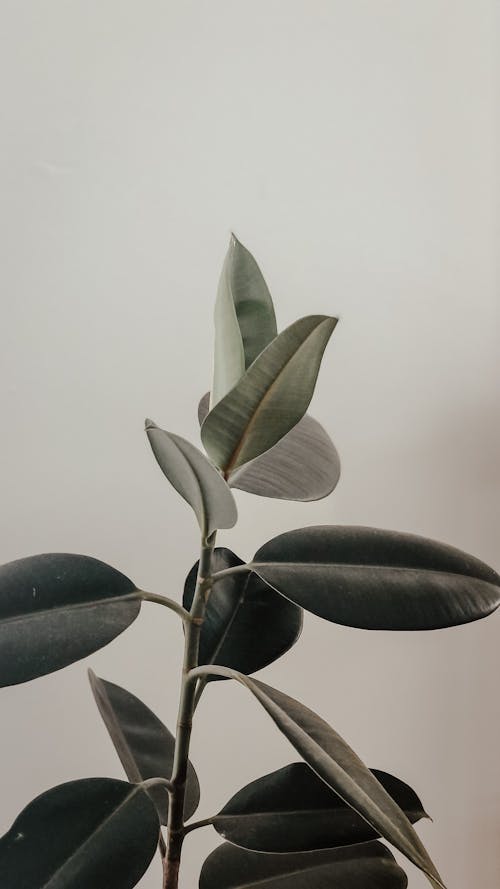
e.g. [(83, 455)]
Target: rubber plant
[(317, 822)]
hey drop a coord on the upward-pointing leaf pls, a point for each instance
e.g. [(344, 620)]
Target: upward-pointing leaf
[(271, 397), (368, 866), (145, 746), (57, 608), (91, 834), (337, 764), (194, 478), (244, 318), (378, 580)]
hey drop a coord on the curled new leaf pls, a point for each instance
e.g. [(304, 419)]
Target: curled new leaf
[(244, 318), (378, 580), (194, 478), (370, 865), (145, 746), (292, 810), (303, 465), (97, 833), (270, 398), (247, 624), (57, 608)]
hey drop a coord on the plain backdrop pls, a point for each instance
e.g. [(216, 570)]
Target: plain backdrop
[(351, 146)]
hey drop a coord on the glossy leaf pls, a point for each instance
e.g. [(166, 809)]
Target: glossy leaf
[(378, 580), (292, 810), (91, 834), (339, 767), (244, 318), (57, 608), (247, 624), (369, 866), (144, 745), (303, 465), (194, 478), (271, 397)]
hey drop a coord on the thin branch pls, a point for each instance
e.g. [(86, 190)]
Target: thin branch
[(228, 572), (196, 824), (168, 603)]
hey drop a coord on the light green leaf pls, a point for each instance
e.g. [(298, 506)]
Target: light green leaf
[(194, 478), (270, 398), (244, 318)]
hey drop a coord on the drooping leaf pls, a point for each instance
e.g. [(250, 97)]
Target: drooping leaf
[(368, 866), (247, 624), (244, 318), (194, 478), (378, 580), (57, 608), (91, 834), (292, 810), (339, 767), (144, 745), (270, 398), (303, 465)]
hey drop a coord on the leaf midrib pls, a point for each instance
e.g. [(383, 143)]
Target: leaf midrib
[(77, 606)]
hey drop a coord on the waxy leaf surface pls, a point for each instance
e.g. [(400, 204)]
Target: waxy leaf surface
[(303, 465), (247, 624), (194, 478), (293, 810), (96, 833), (244, 318), (378, 580), (145, 746), (56, 608), (270, 398), (369, 866), (339, 767)]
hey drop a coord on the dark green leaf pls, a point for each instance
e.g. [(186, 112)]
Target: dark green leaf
[(369, 866), (194, 478), (91, 834), (247, 624), (271, 397), (57, 608), (339, 767), (145, 746), (303, 465), (292, 810), (244, 318), (378, 580)]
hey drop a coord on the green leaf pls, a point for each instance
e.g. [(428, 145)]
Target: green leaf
[(369, 866), (91, 834), (271, 397), (57, 608), (244, 318), (194, 478), (303, 465), (292, 810), (339, 767), (144, 745), (378, 580), (247, 624)]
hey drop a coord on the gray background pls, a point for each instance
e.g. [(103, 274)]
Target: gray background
[(351, 146)]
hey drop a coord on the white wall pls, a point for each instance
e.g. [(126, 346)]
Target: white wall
[(351, 147)]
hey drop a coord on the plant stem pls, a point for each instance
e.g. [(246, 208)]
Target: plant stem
[(175, 827)]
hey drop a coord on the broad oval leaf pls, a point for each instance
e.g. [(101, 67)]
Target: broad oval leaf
[(57, 608), (369, 866), (304, 465), (244, 318), (96, 833), (378, 580), (247, 624), (292, 810), (271, 397), (144, 745), (194, 478), (340, 767)]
